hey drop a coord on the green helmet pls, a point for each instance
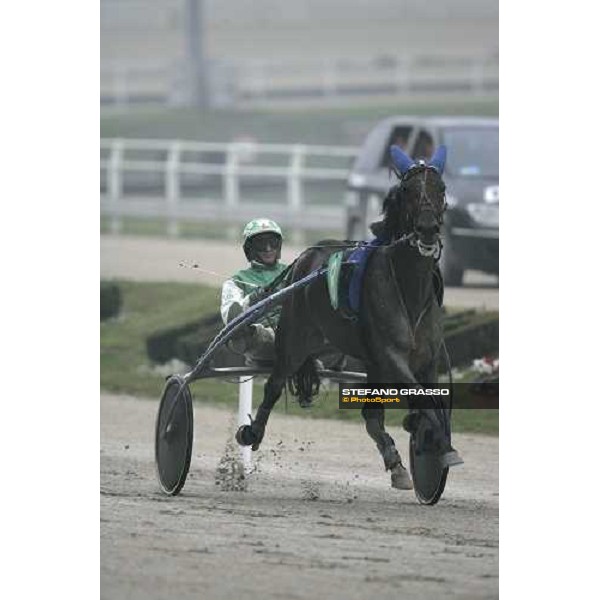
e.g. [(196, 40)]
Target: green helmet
[(255, 227)]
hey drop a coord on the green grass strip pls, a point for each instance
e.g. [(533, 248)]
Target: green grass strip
[(150, 307)]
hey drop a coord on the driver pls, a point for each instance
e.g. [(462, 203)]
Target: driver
[(262, 239)]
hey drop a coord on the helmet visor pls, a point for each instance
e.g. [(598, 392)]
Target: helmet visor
[(263, 242)]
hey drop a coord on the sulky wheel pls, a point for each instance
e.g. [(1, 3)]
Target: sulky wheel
[(174, 436), (427, 467)]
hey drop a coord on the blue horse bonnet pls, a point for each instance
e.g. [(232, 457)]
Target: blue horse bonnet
[(403, 162)]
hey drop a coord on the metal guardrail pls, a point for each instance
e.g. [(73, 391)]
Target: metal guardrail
[(255, 81), (229, 183)]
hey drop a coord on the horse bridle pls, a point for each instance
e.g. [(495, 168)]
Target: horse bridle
[(425, 201)]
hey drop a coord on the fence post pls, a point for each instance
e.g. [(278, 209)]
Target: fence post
[(295, 198), (245, 409), (260, 78), (172, 187), (115, 183), (477, 74), (329, 75), (402, 75), (232, 183), (121, 74), (294, 179)]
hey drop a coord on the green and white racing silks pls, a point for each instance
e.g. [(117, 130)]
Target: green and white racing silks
[(237, 290)]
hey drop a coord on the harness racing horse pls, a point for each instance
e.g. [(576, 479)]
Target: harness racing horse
[(398, 334)]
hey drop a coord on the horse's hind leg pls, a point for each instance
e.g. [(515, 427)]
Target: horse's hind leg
[(294, 325), (374, 417), (252, 435)]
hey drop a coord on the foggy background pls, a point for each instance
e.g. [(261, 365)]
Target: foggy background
[(247, 51), (214, 112)]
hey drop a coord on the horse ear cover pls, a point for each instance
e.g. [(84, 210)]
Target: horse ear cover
[(438, 160), (401, 161)]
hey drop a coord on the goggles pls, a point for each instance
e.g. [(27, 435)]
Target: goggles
[(266, 241)]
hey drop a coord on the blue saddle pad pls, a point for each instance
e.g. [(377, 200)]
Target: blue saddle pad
[(359, 258)]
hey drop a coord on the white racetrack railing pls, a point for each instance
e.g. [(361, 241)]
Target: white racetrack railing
[(228, 183), (257, 81)]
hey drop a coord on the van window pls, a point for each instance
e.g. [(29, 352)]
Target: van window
[(423, 146), (472, 151), (399, 137)]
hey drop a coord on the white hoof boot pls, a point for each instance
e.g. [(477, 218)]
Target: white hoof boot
[(401, 478)]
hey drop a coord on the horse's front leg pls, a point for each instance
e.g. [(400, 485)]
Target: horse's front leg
[(438, 415), (426, 376), (374, 417), (252, 435)]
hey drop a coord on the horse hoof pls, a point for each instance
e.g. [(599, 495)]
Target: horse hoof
[(244, 436), (305, 402), (400, 478), (451, 459)]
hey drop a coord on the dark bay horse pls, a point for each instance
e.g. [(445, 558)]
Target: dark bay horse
[(398, 334)]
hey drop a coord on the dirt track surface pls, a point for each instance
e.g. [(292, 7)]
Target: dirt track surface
[(318, 518), (158, 259)]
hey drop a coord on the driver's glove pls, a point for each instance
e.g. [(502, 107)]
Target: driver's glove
[(257, 295)]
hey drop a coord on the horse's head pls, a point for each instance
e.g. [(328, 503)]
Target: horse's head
[(415, 207)]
